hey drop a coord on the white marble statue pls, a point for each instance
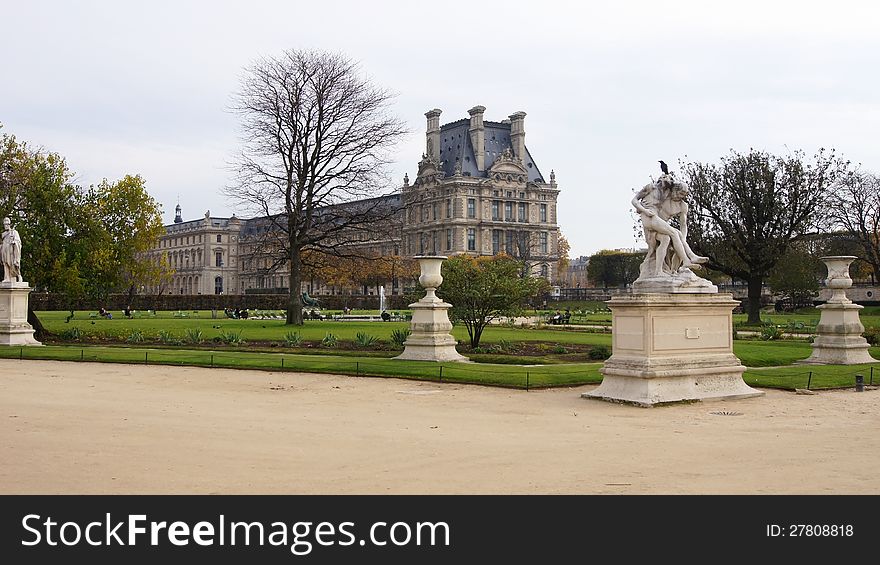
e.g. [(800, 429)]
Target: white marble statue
[(10, 253), (381, 299), (669, 259)]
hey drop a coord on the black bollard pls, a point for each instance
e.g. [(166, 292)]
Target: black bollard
[(860, 383)]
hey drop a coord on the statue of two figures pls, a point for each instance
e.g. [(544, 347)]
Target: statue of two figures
[(10, 253), (662, 205)]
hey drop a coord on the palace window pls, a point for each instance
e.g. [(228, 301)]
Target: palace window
[(543, 212), (508, 211), (522, 211), (543, 242), (471, 208), (471, 239), (496, 209)]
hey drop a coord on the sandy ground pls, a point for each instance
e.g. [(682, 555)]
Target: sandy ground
[(83, 428)]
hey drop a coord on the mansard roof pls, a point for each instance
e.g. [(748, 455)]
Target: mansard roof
[(384, 204), (455, 143)]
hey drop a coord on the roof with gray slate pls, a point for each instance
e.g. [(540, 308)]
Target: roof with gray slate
[(455, 143)]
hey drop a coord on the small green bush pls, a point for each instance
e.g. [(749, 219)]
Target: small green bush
[(136, 336), (365, 340), (330, 340), (194, 336), (292, 339), (560, 349), (399, 336), (770, 332), (599, 353), (71, 334), (872, 335), (168, 338), (231, 338)]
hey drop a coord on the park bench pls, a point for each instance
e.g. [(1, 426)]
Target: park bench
[(559, 319)]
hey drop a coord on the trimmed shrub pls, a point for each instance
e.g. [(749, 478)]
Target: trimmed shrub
[(599, 353)]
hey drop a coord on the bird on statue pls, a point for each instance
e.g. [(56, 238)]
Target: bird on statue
[(663, 167)]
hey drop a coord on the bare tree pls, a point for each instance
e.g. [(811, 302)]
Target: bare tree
[(317, 136), (855, 209)]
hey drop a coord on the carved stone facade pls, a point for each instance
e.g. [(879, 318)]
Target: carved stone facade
[(203, 255), (480, 192), (477, 191)]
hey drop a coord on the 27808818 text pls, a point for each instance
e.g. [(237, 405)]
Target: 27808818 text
[(810, 530)]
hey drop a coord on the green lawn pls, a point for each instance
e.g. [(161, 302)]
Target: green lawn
[(275, 330), (482, 373), (264, 349)]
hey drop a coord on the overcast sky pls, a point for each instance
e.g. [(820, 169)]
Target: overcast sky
[(609, 88)]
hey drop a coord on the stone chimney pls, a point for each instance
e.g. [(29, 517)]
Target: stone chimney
[(478, 136), (518, 135), (433, 134)]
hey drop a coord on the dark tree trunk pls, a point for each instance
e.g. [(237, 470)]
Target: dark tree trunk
[(756, 284), (40, 332), (475, 338), (294, 304)]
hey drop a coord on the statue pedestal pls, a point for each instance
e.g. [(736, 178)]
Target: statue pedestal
[(430, 339), (670, 348), (839, 338), (14, 327)]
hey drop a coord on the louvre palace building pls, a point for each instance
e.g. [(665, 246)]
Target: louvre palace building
[(478, 191)]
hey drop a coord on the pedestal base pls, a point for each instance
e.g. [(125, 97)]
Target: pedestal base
[(670, 348), (430, 339), (14, 327), (839, 340)]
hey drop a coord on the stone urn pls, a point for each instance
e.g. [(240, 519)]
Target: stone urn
[(839, 339), (838, 279), (430, 278), (430, 339)]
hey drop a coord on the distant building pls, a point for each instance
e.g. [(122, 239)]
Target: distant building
[(478, 191), (203, 255), (575, 276)]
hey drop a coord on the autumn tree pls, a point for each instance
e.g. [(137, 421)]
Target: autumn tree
[(482, 289), (76, 242), (563, 249), (747, 210), (855, 210), (130, 225), (316, 140), (47, 209)]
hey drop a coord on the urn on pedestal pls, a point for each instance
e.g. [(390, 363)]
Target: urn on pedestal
[(430, 339), (839, 338)]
